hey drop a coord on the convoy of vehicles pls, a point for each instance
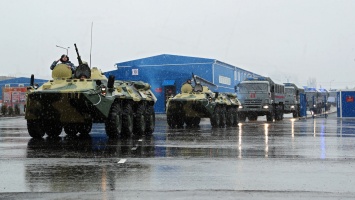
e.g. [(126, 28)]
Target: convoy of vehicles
[(76, 101), (194, 103), (292, 99), (261, 96)]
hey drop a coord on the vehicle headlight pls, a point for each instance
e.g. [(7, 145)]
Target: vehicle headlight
[(266, 107), (292, 107), (240, 107)]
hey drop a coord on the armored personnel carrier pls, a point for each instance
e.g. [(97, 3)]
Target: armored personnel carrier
[(75, 101), (194, 103)]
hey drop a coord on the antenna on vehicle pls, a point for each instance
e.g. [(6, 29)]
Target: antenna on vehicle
[(92, 23)]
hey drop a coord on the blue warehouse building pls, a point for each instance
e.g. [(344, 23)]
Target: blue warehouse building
[(166, 74)]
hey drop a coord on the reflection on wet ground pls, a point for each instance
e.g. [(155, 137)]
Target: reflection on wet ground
[(248, 157)]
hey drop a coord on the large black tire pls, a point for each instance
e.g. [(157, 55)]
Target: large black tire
[(192, 121), (127, 119), (113, 125), (35, 128), (71, 129), (235, 116), (295, 114), (270, 117), (176, 120), (85, 128), (149, 120), (216, 117), (223, 117), (53, 128), (230, 116), (242, 117), (139, 120)]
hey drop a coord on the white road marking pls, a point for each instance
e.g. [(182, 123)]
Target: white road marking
[(122, 161)]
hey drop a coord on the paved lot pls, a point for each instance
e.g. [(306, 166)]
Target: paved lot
[(289, 159)]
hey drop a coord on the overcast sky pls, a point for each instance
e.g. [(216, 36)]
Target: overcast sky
[(291, 40)]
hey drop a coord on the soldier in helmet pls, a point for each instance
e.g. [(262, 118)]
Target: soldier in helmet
[(64, 59), (186, 87)]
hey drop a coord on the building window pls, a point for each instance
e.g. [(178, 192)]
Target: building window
[(224, 80), (134, 72)]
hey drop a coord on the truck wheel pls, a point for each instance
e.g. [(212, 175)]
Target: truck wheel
[(139, 120), (113, 125), (242, 117), (270, 116), (149, 120), (294, 114), (53, 128), (216, 117), (127, 119), (71, 129), (35, 128)]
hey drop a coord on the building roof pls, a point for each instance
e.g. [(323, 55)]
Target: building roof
[(14, 82), (165, 59)]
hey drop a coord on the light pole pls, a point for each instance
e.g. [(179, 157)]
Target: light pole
[(330, 87), (63, 48)]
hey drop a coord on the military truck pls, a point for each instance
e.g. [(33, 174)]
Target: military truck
[(198, 101), (317, 100), (261, 96), (76, 101), (292, 99)]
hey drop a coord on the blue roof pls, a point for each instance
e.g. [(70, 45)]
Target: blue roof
[(20, 80), (165, 59)]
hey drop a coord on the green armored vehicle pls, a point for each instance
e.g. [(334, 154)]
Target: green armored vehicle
[(75, 101), (194, 103)]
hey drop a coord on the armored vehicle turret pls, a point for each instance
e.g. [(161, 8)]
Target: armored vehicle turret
[(194, 103), (76, 101)]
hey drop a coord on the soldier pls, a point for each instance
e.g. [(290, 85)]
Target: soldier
[(65, 60), (186, 87)]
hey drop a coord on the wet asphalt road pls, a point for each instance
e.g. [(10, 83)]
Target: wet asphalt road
[(289, 159)]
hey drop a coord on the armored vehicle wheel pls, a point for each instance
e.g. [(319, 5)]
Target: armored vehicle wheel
[(223, 117), (192, 121), (242, 117), (53, 129), (127, 119), (149, 120), (216, 117), (85, 127), (235, 117), (113, 125), (230, 116), (175, 120), (35, 128), (197, 121), (71, 129), (139, 120)]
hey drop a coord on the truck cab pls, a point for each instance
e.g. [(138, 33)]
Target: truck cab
[(261, 96), (292, 99)]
